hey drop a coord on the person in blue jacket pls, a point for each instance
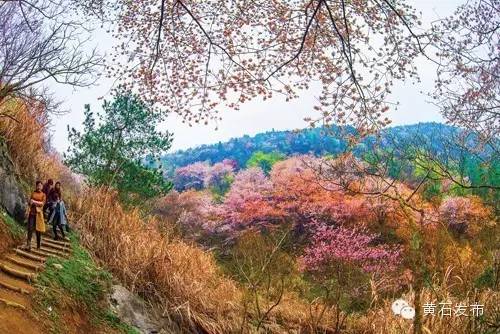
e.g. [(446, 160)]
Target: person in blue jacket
[(58, 217)]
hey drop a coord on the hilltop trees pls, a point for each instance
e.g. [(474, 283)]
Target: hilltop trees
[(110, 149), (264, 160)]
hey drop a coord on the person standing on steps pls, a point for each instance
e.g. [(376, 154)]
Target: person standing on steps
[(56, 191), (59, 217), (35, 216), (51, 197), (47, 188)]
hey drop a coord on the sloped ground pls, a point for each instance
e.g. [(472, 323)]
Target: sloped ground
[(18, 271), (55, 289)]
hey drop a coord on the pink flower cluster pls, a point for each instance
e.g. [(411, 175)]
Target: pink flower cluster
[(201, 175), (353, 246)]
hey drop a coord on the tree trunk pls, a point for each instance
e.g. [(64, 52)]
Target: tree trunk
[(417, 321)]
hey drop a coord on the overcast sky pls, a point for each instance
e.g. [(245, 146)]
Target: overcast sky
[(256, 116)]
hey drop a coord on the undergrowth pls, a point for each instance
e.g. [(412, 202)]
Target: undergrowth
[(15, 229), (11, 233), (79, 285)]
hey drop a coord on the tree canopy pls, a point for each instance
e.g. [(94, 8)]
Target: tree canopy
[(112, 146)]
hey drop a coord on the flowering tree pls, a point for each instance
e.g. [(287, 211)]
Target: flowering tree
[(468, 85), (199, 175), (191, 176), (342, 260), (220, 176), (464, 215), (194, 56), (292, 194), (353, 246), (299, 190), (249, 201), (192, 212)]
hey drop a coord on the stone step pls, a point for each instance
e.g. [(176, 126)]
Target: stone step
[(49, 235), (57, 247), (15, 284), (14, 297), (23, 262), (45, 251), (30, 256), (24, 275)]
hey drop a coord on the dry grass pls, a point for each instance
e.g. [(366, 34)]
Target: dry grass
[(184, 279), (25, 132), (383, 321)]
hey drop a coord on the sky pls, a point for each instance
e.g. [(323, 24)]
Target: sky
[(255, 116)]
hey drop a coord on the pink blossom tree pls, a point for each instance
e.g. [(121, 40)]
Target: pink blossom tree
[(191, 176), (344, 262), (193, 213), (352, 246), (249, 201), (219, 176)]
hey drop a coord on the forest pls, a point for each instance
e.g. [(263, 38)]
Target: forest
[(339, 228), (354, 223)]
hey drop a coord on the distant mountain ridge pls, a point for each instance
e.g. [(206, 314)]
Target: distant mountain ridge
[(306, 141)]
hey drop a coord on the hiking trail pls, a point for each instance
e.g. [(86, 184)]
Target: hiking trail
[(19, 269)]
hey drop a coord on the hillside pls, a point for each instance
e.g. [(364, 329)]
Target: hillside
[(347, 226), (308, 141)]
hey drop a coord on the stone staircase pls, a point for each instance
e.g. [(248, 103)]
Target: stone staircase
[(20, 267)]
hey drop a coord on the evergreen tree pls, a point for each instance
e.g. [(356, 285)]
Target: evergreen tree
[(110, 151)]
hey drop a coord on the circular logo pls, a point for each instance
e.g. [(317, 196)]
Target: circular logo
[(398, 305), (408, 312)]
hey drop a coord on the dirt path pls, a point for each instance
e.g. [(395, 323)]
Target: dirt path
[(18, 270)]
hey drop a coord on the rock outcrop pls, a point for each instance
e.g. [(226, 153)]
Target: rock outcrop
[(12, 197), (132, 310)]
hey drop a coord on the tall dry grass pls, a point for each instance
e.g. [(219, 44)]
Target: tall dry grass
[(381, 320), (182, 278), (25, 132)]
